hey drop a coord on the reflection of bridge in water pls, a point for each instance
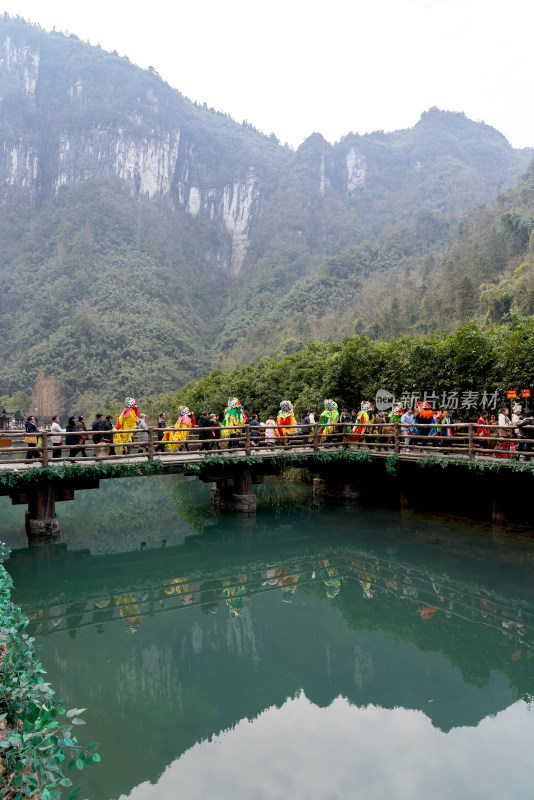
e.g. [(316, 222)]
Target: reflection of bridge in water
[(217, 637), (226, 591)]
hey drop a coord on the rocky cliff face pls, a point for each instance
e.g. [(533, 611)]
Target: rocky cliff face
[(70, 113), (155, 161)]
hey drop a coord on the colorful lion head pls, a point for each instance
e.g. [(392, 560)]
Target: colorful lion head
[(286, 406), (333, 590), (397, 409), (233, 402), (129, 402), (183, 411), (366, 405), (330, 405), (424, 410)]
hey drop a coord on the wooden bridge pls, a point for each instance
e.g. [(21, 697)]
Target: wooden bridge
[(240, 460)]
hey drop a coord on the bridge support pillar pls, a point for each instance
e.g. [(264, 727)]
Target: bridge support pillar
[(41, 519), (234, 493), (41, 498)]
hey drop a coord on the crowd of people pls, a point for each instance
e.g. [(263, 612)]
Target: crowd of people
[(421, 426)]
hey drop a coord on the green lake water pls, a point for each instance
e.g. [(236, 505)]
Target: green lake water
[(318, 653)]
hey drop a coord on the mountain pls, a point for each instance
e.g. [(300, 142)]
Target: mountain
[(147, 239)]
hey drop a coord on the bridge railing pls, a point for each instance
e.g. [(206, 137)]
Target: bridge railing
[(416, 441)]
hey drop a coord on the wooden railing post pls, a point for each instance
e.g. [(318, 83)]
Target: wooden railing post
[(345, 437), (247, 440), (44, 449), (315, 436), (397, 437), (471, 440), (151, 444)]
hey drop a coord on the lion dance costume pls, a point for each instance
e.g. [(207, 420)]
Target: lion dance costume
[(285, 417), (424, 415), (127, 424), (328, 420), (363, 420), (396, 413), (184, 423), (234, 418)]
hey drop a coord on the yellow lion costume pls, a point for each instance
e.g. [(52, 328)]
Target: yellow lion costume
[(126, 425), (185, 422)]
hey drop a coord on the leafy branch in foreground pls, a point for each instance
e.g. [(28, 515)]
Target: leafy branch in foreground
[(36, 732)]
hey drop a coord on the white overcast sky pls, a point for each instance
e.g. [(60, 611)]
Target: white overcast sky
[(294, 67)]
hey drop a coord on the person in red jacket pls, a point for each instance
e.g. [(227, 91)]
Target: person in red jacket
[(483, 430)]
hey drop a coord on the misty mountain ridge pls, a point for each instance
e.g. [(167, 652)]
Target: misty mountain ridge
[(148, 239)]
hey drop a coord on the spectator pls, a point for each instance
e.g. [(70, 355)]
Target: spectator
[(56, 431), (505, 432), (482, 430), (31, 438), (96, 427), (407, 422), (516, 418), (378, 428), (216, 426), (305, 425), (205, 432), (142, 436), (72, 439), (107, 437), (160, 447), (504, 423), (255, 431), (270, 425), (81, 426), (526, 431)]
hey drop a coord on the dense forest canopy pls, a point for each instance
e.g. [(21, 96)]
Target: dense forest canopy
[(465, 371)]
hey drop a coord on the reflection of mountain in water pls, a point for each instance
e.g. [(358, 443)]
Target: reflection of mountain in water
[(219, 632)]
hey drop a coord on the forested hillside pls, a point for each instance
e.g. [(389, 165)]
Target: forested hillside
[(146, 239), (485, 273)]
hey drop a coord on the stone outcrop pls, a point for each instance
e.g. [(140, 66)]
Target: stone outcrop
[(154, 161), (71, 113)]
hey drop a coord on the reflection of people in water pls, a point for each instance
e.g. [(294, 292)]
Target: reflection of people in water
[(426, 612), (129, 610), (437, 591), (288, 584), (411, 588), (486, 606), (364, 578), (365, 582), (209, 595), (270, 576), (75, 613), (329, 575), (278, 576), (103, 613), (185, 590), (233, 590)]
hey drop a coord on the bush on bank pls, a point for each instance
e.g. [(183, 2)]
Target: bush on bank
[(36, 732)]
